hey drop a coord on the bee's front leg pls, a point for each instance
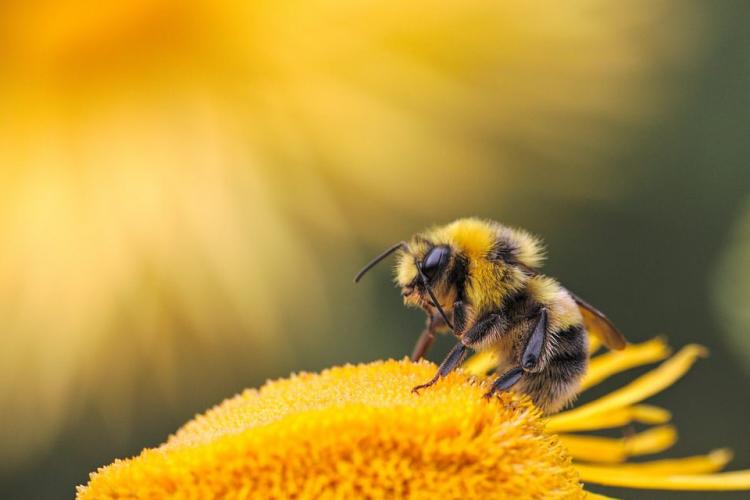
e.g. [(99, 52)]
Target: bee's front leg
[(427, 337)]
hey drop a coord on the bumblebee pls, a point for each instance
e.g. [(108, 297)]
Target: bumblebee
[(480, 280)]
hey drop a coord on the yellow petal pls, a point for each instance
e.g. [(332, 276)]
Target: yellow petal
[(613, 476), (633, 355), (611, 450), (699, 464), (645, 414), (641, 388)]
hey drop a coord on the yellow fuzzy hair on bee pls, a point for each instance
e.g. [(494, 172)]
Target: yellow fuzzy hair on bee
[(478, 237)]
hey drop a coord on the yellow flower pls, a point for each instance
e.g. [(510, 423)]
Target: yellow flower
[(352, 430), (359, 431)]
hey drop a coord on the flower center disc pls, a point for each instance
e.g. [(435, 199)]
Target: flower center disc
[(353, 430)]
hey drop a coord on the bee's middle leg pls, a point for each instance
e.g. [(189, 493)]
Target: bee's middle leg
[(475, 335), (451, 361)]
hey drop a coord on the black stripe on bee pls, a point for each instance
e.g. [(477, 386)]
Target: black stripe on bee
[(503, 251), (571, 345), (519, 306)]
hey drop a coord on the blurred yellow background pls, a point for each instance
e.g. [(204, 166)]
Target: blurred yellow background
[(186, 189)]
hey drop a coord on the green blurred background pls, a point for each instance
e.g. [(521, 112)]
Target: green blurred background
[(186, 190)]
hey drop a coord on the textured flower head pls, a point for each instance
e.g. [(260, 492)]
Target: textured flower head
[(353, 430), (359, 431)]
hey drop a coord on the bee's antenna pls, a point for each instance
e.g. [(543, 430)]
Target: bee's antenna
[(432, 295), (374, 262)]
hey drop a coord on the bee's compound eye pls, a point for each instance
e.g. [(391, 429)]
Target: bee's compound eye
[(436, 258)]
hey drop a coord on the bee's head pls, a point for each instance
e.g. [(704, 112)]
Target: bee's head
[(424, 267), (427, 274), (477, 258)]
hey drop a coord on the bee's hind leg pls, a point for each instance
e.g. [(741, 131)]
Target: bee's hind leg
[(532, 353), (505, 381), (530, 358)]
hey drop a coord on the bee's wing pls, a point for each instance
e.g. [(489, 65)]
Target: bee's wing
[(598, 324)]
